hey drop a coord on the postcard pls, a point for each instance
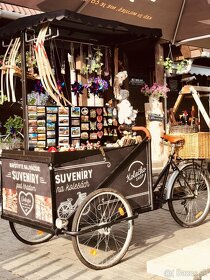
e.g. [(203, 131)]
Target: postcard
[(64, 131), (52, 109), (75, 131), (63, 111), (63, 121), (75, 111), (51, 117), (75, 122)]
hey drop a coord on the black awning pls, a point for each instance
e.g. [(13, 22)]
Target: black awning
[(80, 27)]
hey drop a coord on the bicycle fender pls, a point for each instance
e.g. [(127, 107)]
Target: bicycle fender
[(169, 184)]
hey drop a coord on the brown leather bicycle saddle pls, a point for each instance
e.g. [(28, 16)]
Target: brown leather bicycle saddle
[(172, 139)]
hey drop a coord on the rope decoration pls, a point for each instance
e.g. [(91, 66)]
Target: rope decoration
[(45, 71), (9, 68)]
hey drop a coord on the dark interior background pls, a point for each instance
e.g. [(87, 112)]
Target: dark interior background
[(139, 61)]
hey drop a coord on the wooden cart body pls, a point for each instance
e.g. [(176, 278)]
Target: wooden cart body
[(36, 184)]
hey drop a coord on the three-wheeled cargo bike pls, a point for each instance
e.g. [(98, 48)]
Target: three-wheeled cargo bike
[(95, 195)]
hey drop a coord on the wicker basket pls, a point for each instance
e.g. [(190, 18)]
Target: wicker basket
[(197, 145), (180, 129)]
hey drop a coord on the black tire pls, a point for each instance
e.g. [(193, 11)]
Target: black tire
[(29, 235), (104, 247), (189, 201)]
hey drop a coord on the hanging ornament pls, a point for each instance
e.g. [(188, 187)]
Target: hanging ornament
[(39, 87), (77, 88), (96, 85), (60, 86)]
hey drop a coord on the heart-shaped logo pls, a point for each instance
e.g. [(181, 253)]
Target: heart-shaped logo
[(99, 126), (26, 202), (99, 118), (100, 134), (99, 111)]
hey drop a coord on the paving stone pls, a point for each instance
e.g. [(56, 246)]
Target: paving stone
[(155, 235), (188, 263), (206, 277)]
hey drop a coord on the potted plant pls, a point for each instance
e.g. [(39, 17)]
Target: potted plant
[(13, 127), (168, 65), (183, 66), (175, 68), (155, 91)]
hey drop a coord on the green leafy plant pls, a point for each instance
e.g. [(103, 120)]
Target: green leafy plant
[(174, 68), (13, 125), (94, 63), (167, 63), (183, 65), (2, 100), (30, 60)]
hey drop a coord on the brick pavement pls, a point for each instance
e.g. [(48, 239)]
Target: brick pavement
[(155, 234)]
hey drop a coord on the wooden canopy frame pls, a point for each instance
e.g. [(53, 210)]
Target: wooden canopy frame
[(188, 89)]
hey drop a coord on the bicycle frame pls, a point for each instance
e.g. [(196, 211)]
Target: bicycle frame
[(163, 196), (165, 172)]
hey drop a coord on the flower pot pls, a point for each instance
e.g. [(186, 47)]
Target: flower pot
[(153, 99), (170, 73)]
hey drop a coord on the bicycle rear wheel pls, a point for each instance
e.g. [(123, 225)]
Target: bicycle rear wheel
[(189, 201), (100, 248), (29, 235)]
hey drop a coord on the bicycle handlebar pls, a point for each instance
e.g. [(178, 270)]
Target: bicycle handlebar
[(144, 129)]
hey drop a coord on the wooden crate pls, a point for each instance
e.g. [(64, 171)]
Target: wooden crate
[(197, 145)]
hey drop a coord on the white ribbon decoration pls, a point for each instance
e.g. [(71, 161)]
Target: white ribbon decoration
[(3, 70)]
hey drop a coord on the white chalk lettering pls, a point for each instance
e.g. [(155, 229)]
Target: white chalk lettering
[(25, 177), (136, 174), (73, 176)]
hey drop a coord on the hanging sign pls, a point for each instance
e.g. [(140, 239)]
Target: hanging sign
[(155, 117)]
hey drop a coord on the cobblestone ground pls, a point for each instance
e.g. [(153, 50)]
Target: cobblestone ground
[(155, 234)]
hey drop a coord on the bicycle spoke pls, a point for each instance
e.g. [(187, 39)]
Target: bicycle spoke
[(189, 201), (29, 235), (106, 245)]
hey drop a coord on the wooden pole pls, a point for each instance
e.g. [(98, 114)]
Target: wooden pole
[(159, 76), (159, 70), (24, 91)]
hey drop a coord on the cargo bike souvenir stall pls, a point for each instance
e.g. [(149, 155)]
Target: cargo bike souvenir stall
[(93, 195)]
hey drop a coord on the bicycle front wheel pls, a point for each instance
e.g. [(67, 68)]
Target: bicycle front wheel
[(29, 235), (101, 247), (189, 201)]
